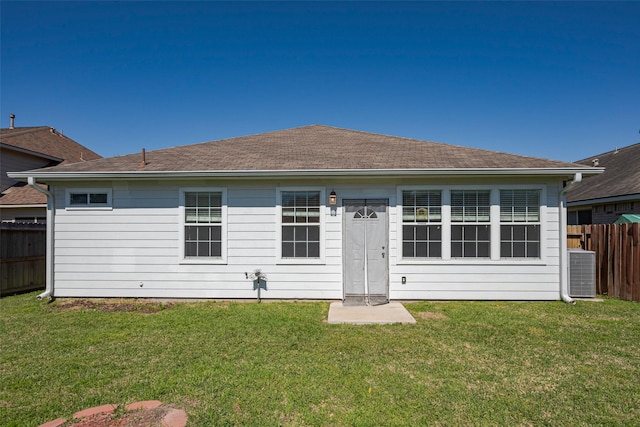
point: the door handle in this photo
(382, 254)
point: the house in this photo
(31, 148)
(604, 198)
(323, 212)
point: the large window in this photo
(520, 223)
(300, 224)
(470, 224)
(202, 224)
(421, 224)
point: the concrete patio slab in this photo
(394, 312)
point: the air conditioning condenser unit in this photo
(582, 273)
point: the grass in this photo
(270, 364)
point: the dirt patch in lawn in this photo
(430, 315)
(137, 418)
(110, 305)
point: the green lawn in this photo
(463, 363)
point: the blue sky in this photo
(546, 79)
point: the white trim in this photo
(324, 211)
(603, 200)
(223, 245)
(89, 206)
(494, 236)
(495, 258)
(388, 173)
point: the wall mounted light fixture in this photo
(333, 198)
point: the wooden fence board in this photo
(617, 248)
(22, 258)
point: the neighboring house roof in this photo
(621, 178)
(309, 149)
(22, 195)
(43, 142)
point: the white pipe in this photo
(48, 292)
(564, 288)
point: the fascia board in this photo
(604, 200)
(64, 176)
(43, 205)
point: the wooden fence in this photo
(617, 248)
(22, 257)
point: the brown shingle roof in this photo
(46, 140)
(309, 148)
(620, 178)
(40, 140)
(22, 194)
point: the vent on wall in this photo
(582, 273)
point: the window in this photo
(470, 224)
(579, 217)
(83, 198)
(520, 223)
(300, 224)
(203, 224)
(421, 224)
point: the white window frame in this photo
(477, 223)
(524, 222)
(89, 206)
(494, 223)
(223, 232)
(428, 223)
(278, 222)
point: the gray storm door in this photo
(365, 243)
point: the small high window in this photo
(89, 198)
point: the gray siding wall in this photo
(610, 212)
(12, 161)
(133, 249)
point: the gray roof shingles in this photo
(314, 147)
(620, 178)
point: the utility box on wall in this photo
(582, 273)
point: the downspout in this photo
(48, 292)
(564, 291)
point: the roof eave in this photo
(27, 205)
(30, 152)
(604, 200)
(73, 176)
